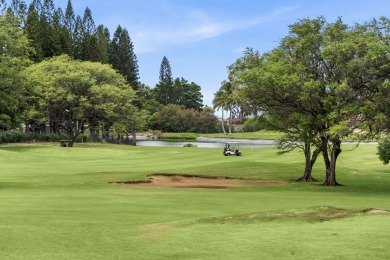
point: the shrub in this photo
(19, 137)
(12, 137)
(254, 124)
(190, 145)
(384, 151)
(174, 119)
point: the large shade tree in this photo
(278, 99)
(74, 94)
(321, 79)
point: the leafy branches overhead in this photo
(319, 85)
(76, 94)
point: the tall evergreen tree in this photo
(103, 42)
(33, 31)
(123, 58)
(77, 39)
(48, 10)
(62, 39)
(70, 24)
(164, 91)
(3, 6)
(19, 8)
(38, 6)
(90, 46)
(88, 22)
(47, 34)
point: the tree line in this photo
(324, 84)
(49, 84)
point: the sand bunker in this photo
(376, 211)
(199, 181)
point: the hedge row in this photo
(20, 137)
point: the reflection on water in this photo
(181, 143)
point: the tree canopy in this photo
(318, 86)
(176, 91)
(14, 57)
(73, 94)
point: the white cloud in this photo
(191, 26)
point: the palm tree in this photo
(225, 99)
(218, 103)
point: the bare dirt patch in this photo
(199, 181)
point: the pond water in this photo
(207, 143)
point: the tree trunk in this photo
(71, 141)
(230, 122)
(27, 130)
(72, 137)
(310, 161)
(105, 132)
(223, 124)
(118, 139)
(92, 134)
(134, 139)
(330, 162)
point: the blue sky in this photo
(201, 38)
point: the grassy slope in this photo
(56, 203)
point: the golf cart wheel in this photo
(239, 154)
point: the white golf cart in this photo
(232, 148)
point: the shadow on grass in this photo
(311, 215)
(20, 148)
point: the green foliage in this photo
(103, 42)
(254, 124)
(227, 99)
(172, 118)
(384, 151)
(78, 94)
(190, 145)
(12, 137)
(263, 134)
(20, 137)
(176, 92)
(173, 136)
(33, 31)
(123, 58)
(164, 92)
(188, 95)
(14, 57)
(320, 85)
(91, 51)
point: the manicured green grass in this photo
(179, 135)
(57, 203)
